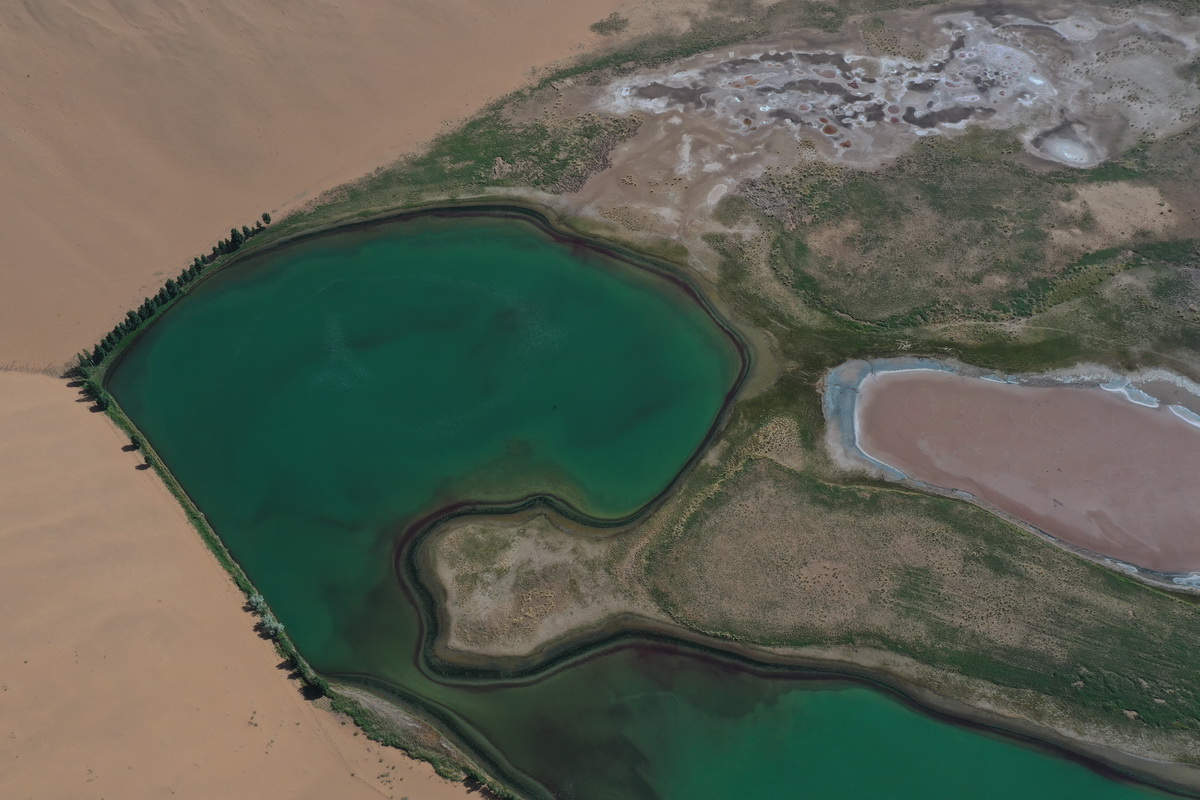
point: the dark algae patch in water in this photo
(320, 400)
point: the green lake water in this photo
(317, 400)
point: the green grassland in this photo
(764, 553)
(756, 551)
(959, 228)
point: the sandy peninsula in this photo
(128, 667)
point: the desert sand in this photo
(128, 667)
(136, 134)
(133, 135)
(1084, 465)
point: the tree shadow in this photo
(129, 448)
(475, 787)
(310, 692)
(307, 690)
(143, 466)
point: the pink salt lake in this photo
(1084, 465)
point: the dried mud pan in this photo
(1085, 457)
(1078, 84)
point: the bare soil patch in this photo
(1111, 213)
(513, 586)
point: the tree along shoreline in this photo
(87, 361)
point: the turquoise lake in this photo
(317, 400)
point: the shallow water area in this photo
(318, 400)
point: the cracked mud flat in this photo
(1101, 465)
(1077, 84)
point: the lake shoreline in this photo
(628, 633)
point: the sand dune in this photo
(128, 667)
(132, 134)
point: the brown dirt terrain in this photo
(1111, 213)
(513, 586)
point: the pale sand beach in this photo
(133, 136)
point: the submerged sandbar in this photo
(1111, 472)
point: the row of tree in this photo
(267, 624)
(170, 290)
